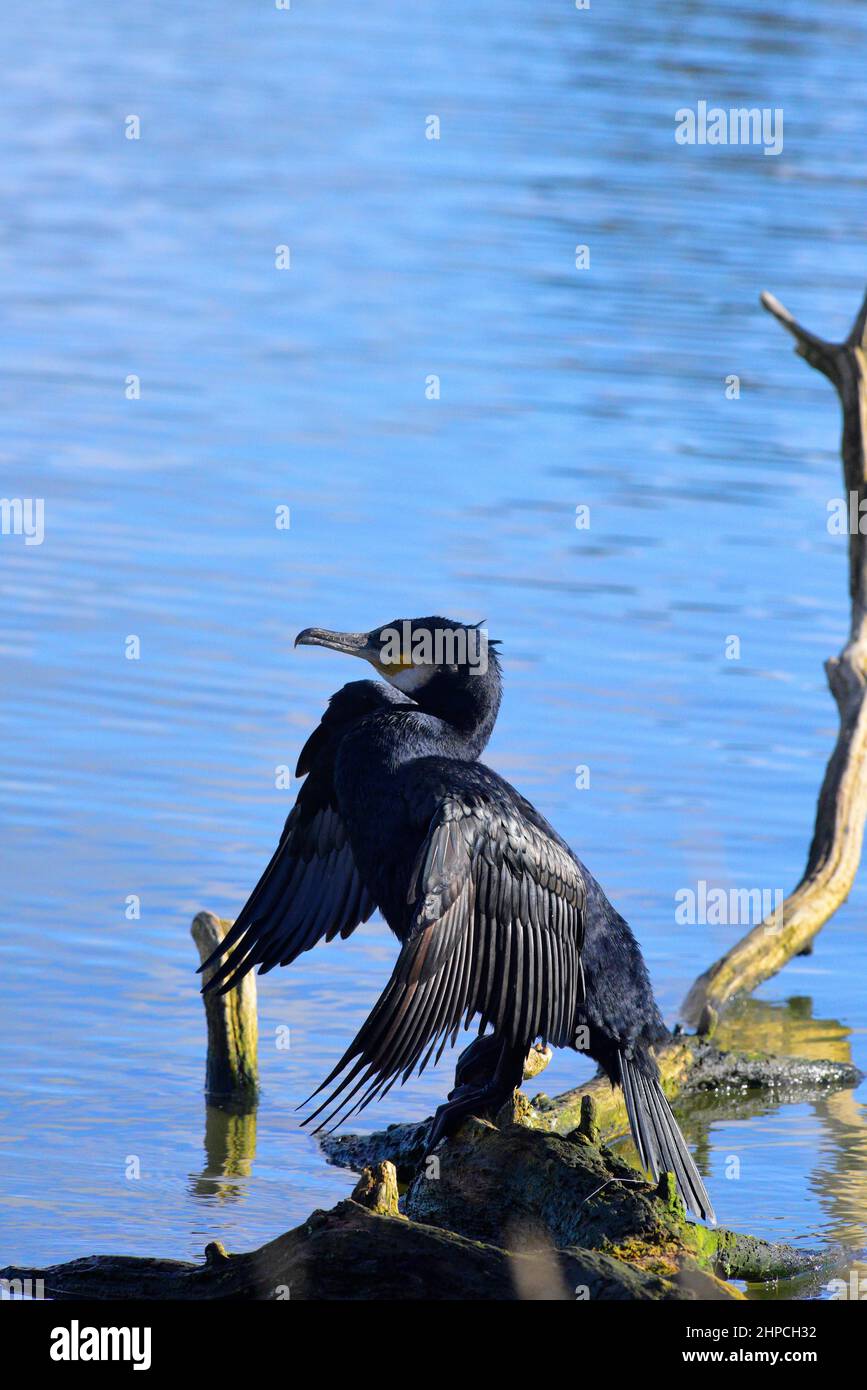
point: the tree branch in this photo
(835, 851)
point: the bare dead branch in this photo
(835, 852)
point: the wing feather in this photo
(497, 928)
(311, 889)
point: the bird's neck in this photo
(468, 711)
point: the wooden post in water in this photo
(233, 1025)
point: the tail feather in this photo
(660, 1144)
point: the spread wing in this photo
(312, 888)
(497, 931)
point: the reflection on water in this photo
(790, 1030)
(774, 1158)
(260, 388)
(810, 1150)
(230, 1146)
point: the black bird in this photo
(497, 918)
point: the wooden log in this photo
(512, 1186)
(543, 1218)
(352, 1254)
(232, 1072)
(835, 851)
(377, 1190)
(507, 1213)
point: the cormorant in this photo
(497, 918)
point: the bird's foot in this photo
(488, 1073)
(481, 1101)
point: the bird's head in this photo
(448, 668)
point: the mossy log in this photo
(350, 1253)
(504, 1212)
(512, 1185)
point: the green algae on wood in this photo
(518, 1187)
(232, 1071)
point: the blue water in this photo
(305, 387)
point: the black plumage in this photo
(499, 922)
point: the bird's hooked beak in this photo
(350, 643)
